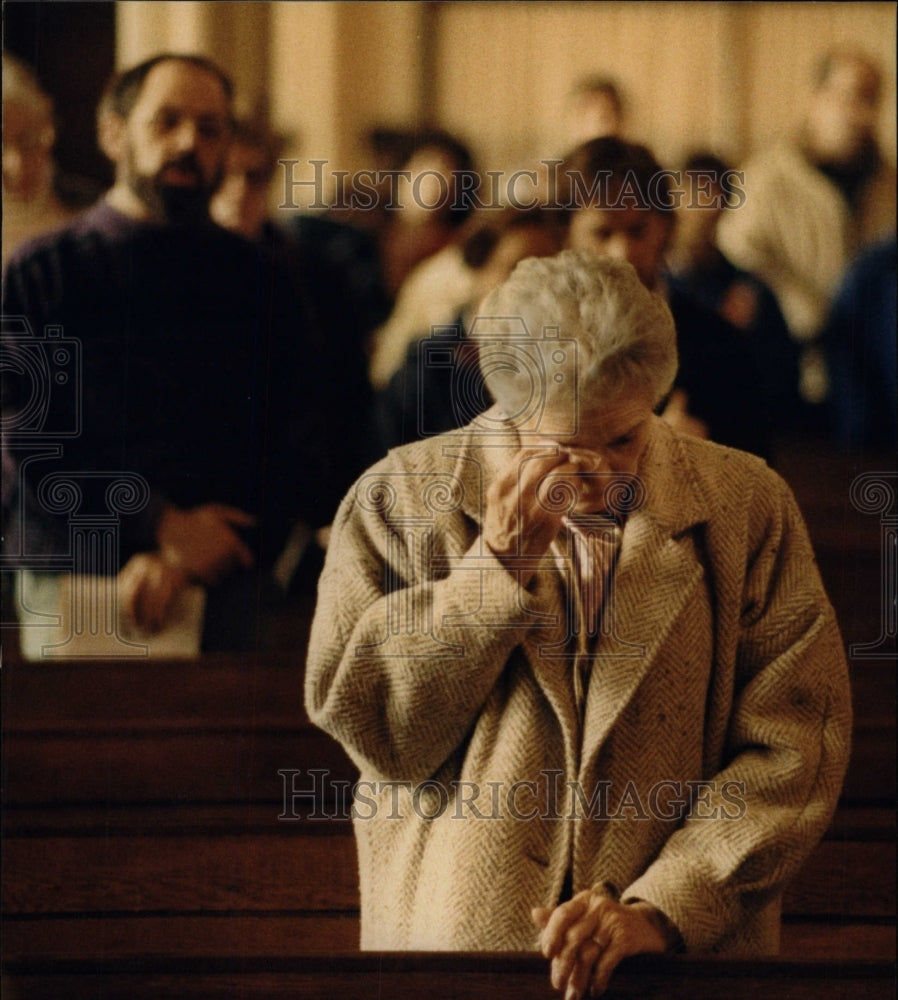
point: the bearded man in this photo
(189, 368)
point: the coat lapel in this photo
(480, 458)
(657, 573)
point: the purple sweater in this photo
(182, 355)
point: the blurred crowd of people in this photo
(250, 364)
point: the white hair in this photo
(575, 329)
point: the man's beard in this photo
(175, 203)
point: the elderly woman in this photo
(586, 666)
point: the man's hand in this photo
(148, 587)
(522, 517)
(202, 541)
(586, 937)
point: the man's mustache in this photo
(187, 163)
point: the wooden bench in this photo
(848, 540)
(109, 732)
(231, 878)
(159, 786)
(460, 976)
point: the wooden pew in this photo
(460, 976)
(178, 875)
(141, 826)
(847, 533)
(168, 816)
(113, 732)
(144, 856)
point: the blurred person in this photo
(378, 233)
(431, 281)
(439, 386)
(411, 211)
(194, 374)
(432, 294)
(430, 209)
(586, 665)
(434, 291)
(595, 109)
(860, 343)
(35, 197)
(698, 268)
(337, 332)
(241, 201)
(813, 201)
(620, 203)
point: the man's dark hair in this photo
(707, 163)
(597, 172)
(456, 151)
(446, 142)
(124, 89)
(717, 172)
(488, 227)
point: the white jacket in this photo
(441, 678)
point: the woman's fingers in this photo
(563, 917)
(579, 977)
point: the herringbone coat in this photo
(714, 738)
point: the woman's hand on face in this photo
(526, 503)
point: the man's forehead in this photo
(622, 217)
(178, 83)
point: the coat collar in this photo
(656, 574)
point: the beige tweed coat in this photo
(714, 736)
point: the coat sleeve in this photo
(787, 742)
(402, 658)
